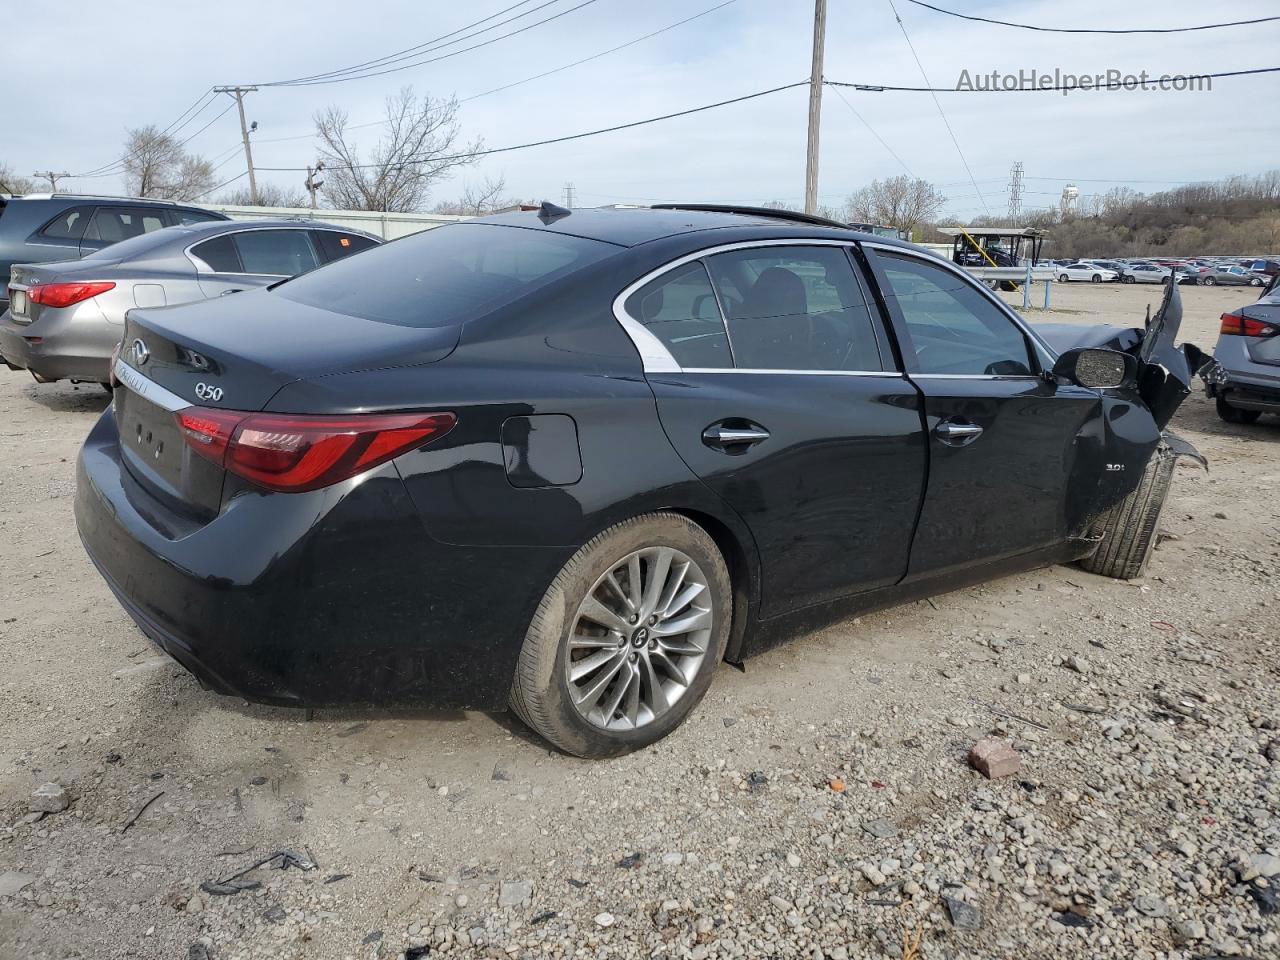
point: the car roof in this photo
(631, 226)
(210, 228)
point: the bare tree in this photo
(155, 165)
(901, 202)
(10, 182)
(269, 195)
(477, 201)
(420, 145)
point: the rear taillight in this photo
(291, 453)
(1240, 326)
(67, 294)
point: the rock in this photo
(1267, 899)
(512, 893)
(793, 859)
(501, 771)
(198, 951)
(372, 937)
(1150, 906)
(1078, 664)
(882, 828)
(1272, 751)
(275, 913)
(605, 919)
(1258, 865)
(964, 916)
(1189, 931)
(50, 798)
(461, 900)
(12, 882)
(195, 904)
(672, 859)
(994, 758)
(729, 721)
(1023, 678)
(1058, 869)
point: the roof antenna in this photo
(550, 213)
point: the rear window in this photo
(135, 246)
(446, 275)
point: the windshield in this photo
(445, 275)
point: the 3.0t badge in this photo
(207, 391)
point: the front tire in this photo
(1063, 278)
(626, 639)
(1129, 529)
(1209, 281)
(1255, 282)
(1096, 278)
(1234, 414)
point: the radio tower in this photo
(568, 196)
(1015, 194)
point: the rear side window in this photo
(113, 224)
(795, 308)
(220, 254)
(446, 275)
(335, 245)
(184, 217)
(68, 225)
(282, 253)
(679, 308)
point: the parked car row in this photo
(1206, 272)
(68, 294)
(1245, 382)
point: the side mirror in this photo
(1095, 368)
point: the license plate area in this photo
(157, 456)
(19, 304)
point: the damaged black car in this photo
(569, 462)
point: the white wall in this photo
(389, 226)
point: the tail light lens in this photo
(1240, 326)
(291, 453)
(67, 294)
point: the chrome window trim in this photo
(654, 355)
(148, 389)
(1008, 311)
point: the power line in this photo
(903, 163)
(564, 139)
(400, 54)
(172, 128)
(446, 56)
(1133, 82)
(597, 56)
(938, 103)
(242, 173)
(1028, 26)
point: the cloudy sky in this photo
(103, 68)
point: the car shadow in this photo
(68, 397)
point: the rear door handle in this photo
(953, 432)
(733, 439)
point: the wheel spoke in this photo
(658, 702)
(658, 570)
(591, 695)
(612, 581)
(695, 619)
(680, 647)
(633, 580)
(597, 612)
(628, 678)
(686, 597)
(660, 659)
(581, 669)
(633, 701)
(674, 583)
(582, 641)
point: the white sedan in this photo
(1086, 271)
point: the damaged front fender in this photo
(1167, 370)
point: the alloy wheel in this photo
(638, 639)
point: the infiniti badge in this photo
(140, 353)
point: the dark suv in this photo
(60, 226)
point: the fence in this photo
(388, 226)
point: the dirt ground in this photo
(461, 834)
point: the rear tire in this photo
(1096, 278)
(542, 693)
(1063, 278)
(1129, 528)
(1255, 282)
(1234, 414)
(1209, 281)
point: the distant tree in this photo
(420, 145)
(903, 202)
(10, 182)
(269, 195)
(155, 165)
(478, 200)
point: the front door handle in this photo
(959, 433)
(728, 439)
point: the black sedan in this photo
(570, 462)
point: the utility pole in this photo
(52, 177)
(1015, 194)
(312, 183)
(568, 196)
(815, 107)
(238, 93)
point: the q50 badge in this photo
(207, 391)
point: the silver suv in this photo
(1245, 382)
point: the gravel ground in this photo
(817, 805)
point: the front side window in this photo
(280, 253)
(954, 328)
(113, 224)
(795, 308)
(679, 308)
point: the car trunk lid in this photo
(233, 354)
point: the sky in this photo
(71, 112)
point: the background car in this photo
(35, 228)
(1266, 267)
(551, 460)
(1146, 273)
(1230, 276)
(66, 317)
(1187, 273)
(1086, 271)
(1245, 383)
